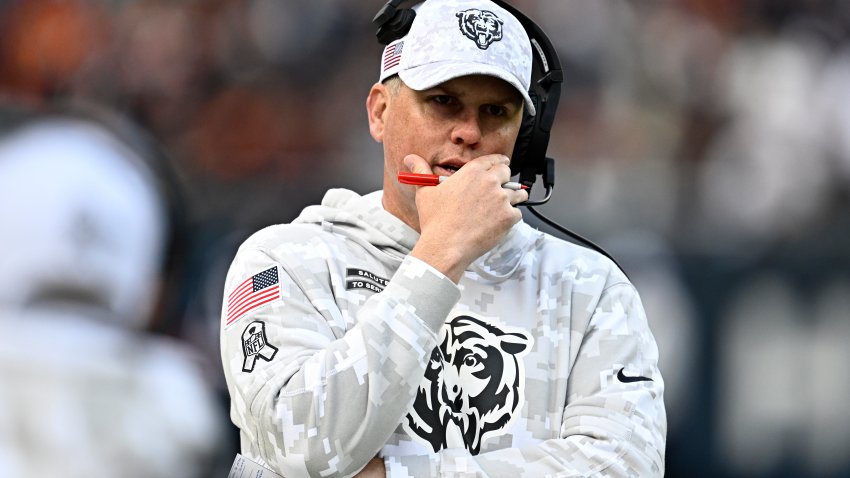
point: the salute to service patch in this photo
(360, 279)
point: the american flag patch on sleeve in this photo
(257, 290)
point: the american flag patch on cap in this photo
(257, 290)
(392, 55)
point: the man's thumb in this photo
(416, 164)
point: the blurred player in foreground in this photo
(85, 389)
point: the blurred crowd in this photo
(705, 143)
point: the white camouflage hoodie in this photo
(337, 346)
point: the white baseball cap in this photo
(454, 38)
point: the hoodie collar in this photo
(364, 218)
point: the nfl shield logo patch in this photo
(255, 345)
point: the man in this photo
(427, 331)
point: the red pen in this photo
(417, 179)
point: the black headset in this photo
(529, 158)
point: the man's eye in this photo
(442, 99)
(495, 110)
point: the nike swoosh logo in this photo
(626, 379)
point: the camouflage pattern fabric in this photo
(539, 363)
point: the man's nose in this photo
(467, 130)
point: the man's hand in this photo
(374, 469)
(466, 215)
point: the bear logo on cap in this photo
(481, 26)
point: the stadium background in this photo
(705, 143)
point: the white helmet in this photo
(81, 216)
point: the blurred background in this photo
(705, 143)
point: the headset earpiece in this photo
(392, 22)
(523, 140)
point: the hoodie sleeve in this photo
(310, 397)
(613, 427)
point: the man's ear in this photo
(376, 108)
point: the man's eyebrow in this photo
(514, 98)
(439, 89)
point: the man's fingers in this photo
(496, 165)
(503, 172)
(517, 197)
(501, 159)
(489, 161)
(416, 164)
